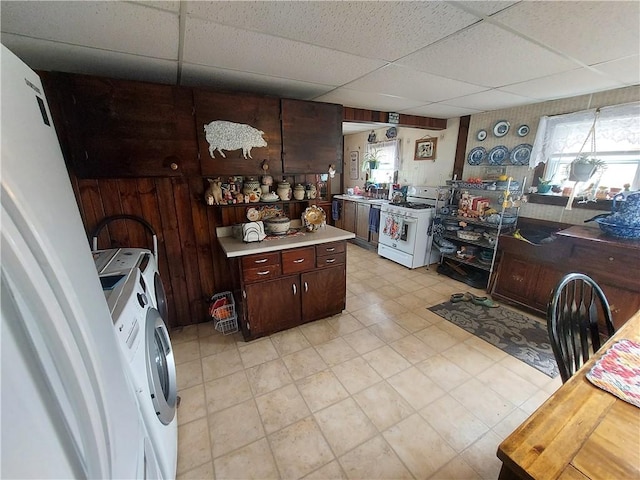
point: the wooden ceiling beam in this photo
(359, 115)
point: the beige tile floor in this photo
(385, 390)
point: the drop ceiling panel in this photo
(371, 101)
(170, 5)
(626, 70)
(570, 27)
(60, 57)
(485, 8)
(211, 44)
(566, 84)
(201, 76)
(490, 100)
(487, 55)
(115, 26)
(384, 30)
(405, 82)
(440, 110)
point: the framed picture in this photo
(354, 166)
(426, 149)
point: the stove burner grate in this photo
(413, 205)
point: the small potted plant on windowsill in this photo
(583, 167)
(544, 185)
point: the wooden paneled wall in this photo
(191, 263)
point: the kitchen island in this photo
(283, 282)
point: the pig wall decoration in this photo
(223, 135)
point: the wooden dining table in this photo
(580, 432)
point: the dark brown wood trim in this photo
(461, 146)
(360, 115)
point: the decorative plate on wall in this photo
(391, 132)
(498, 155)
(476, 156)
(520, 154)
(501, 128)
(523, 130)
(481, 135)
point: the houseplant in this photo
(583, 167)
(371, 160)
(544, 185)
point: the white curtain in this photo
(617, 129)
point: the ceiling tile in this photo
(60, 57)
(570, 27)
(484, 8)
(207, 43)
(201, 76)
(566, 84)
(116, 26)
(626, 70)
(491, 100)
(440, 110)
(171, 5)
(372, 101)
(487, 55)
(383, 30)
(405, 82)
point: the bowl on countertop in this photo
(276, 225)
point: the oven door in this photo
(398, 232)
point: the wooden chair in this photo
(573, 321)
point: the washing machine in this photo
(145, 344)
(109, 262)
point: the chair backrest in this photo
(573, 321)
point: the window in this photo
(388, 154)
(617, 142)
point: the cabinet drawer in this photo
(298, 260)
(329, 260)
(611, 263)
(260, 260)
(330, 248)
(258, 274)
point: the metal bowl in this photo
(618, 230)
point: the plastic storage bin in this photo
(223, 311)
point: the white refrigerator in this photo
(68, 410)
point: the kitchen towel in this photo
(374, 220)
(335, 210)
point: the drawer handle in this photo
(611, 259)
(295, 290)
(260, 261)
(332, 249)
(330, 260)
(300, 260)
(266, 272)
(306, 287)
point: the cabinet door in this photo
(250, 115)
(362, 221)
(323, 293)
(272, 306)
(517, 279)
(116, 128)
(311, 136)
(339, 223)
(349, 215)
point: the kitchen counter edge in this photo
(233, 247)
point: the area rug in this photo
(520, 336)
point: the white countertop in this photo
(360, 199)
(237, 248)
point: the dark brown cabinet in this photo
(311, 136)
(527, 273)
(115, 128)
(362, 221)
(251, 114)
(287, 288)
(349, 216)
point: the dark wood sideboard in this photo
(528, 273)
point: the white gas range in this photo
(405, 233)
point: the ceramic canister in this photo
(299, 192)
(251, 188)
(284, 190)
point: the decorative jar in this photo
(299, 192)
(251, 189)
(312, 191)
(284, 190)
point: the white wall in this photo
(411, 172)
